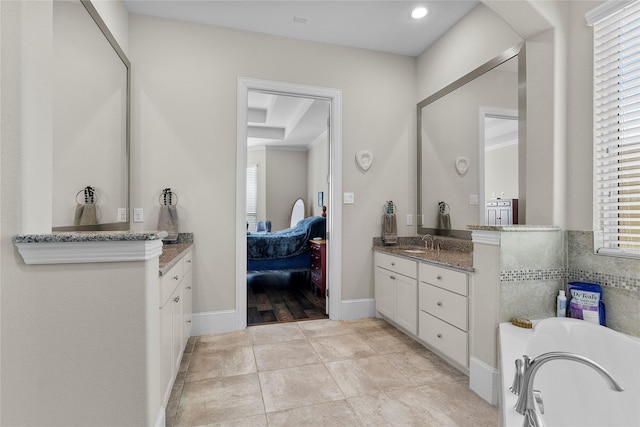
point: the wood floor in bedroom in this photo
(274, 297)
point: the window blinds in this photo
(617, 128)
(252, 197)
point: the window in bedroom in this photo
(616, 123)
(252, 197)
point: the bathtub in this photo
(573, 394)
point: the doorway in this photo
(332, 97)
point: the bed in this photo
(287, 249)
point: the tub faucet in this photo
(426, 243)
(527, 398)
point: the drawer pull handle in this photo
(188, 287)
(439, 335)
(189, 261)
(392, 277)
(439, 277)
(188, 321)
(439, 304)
(175, 277)
(177, 299)
(393, 263)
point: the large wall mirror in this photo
(91, 81)
(470, 137)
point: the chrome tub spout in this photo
(527, 398)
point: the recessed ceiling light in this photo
(419, 12)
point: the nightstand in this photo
(319, 266)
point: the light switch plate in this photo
(138, 215)
(122, 214)
(473, 199)
(409, 219)
(348, 198)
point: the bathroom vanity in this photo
(175, 311)
(109, 291)
(425, 293)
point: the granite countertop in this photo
(91, 236)
(516, 227)
(171, 254)
(457, 260)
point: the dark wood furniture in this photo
(319, 266)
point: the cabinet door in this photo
(166, 350)
(177, 328)
(385, 289)
(505, 215)
(187, 299)
(407, 303)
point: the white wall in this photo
(184, 136)
(286, 181)
(501, 166)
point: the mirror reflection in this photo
(90, 122)
(468, 151)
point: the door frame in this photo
(483, 113)
(334, 209)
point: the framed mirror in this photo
(452, 126)
(297, 212)
(91, 110)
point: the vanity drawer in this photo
(169, 282)
(448, 306)
(399, 265)
(453, 281)
(187, 262)
(445, 338)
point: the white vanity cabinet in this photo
(396, 290)
(444, 311)
(175, 320)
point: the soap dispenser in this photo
(561, 304)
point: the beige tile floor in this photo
(320, 373)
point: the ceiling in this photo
(384, 26)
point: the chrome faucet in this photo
(523, 383)
(426, 243)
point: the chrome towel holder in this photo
(168, 198)
(89, 196)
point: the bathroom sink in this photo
(415, 251)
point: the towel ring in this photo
(389, 207)
(443, 208)
(89, 195)
(168, 198)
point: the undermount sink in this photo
(415, 251)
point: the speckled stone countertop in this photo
(91, 236)
(455, 253)
(517, 227)
(171, 254)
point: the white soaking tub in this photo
(573, 394)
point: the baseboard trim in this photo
(358, 308)
(161, 421)
(213, 322)
(483, 380)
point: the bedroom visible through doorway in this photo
(287, 178)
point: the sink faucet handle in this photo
(516, 387)
(537, 394)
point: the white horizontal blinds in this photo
(617, 126)
(252, 197)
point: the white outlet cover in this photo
(364, 158)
